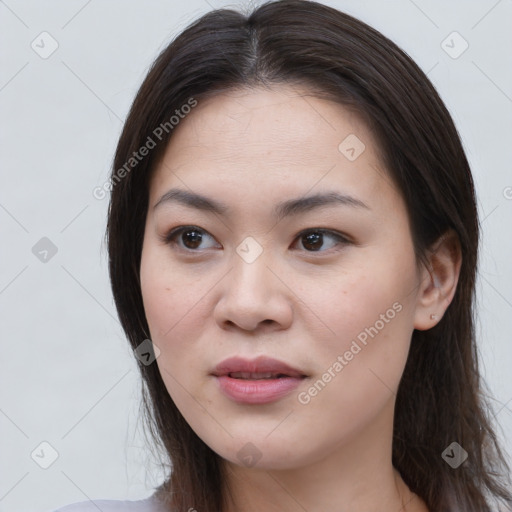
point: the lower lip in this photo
(257, 391)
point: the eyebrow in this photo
(281, 210)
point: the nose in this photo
(254, 296)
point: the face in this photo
(326, 286)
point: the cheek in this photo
(168, 305)
(348, 303)
(177, 312)
(168, 293)
(370, 317)
(359, 369)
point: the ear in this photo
(439, 281)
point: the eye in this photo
(190, 236)
(313, 239)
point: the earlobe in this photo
(439, 281)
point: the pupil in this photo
(313, 239)
(195, 238)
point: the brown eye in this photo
(187, 237)
(314, 240)
(191, 239)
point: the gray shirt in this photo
(146, 505)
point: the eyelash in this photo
(170, 238)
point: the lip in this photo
(256, 391)
(261, 364)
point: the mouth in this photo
(260, 368)
(258, 381)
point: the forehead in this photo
(260, 139)
(283, 121)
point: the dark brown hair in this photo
(441, 396)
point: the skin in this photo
(252, 149)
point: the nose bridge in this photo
(252, 294)
(250, 250)
(250, 273)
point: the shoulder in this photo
(146, 505)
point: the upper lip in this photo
(261, 364)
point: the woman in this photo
(293, 226)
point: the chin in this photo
(263, 454)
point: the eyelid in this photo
(334, 233)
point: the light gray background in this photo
(68, 376)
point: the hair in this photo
(441, 397)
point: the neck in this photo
(357, 475)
